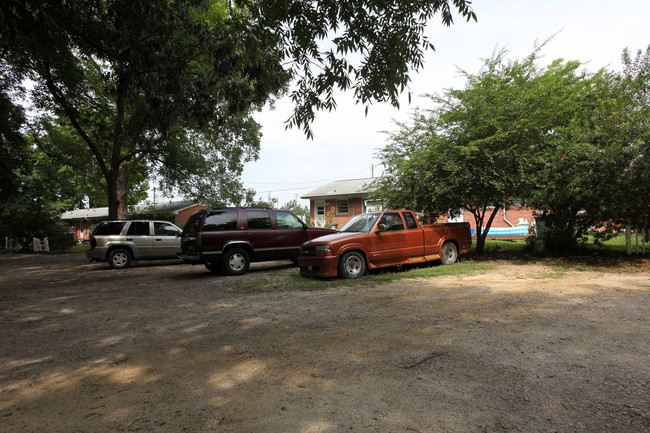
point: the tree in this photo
(166, 88)
(44, 190)
(598, 171)
(14, 151)
(477, 150)
(632, 134)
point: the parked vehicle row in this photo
(228, 240)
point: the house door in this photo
(319, 214)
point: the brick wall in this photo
(181, 218)
(355, 207)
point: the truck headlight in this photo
(322, 249)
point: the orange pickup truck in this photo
(380, 239)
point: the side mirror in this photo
(381, 228)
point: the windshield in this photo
(361, 223)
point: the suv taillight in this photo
(93, 242)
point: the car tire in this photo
(352, 265)
(119, 258)
(449, 253)
(213, 267)
(235, 261)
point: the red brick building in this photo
(337, 202)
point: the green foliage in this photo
(476, 150)
(14, 151)
(598, 172)
(573, 146)
(297, 209)
(165, 89)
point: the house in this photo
(337, 202)
(83, 221)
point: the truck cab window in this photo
(411, 223)
(392, 221)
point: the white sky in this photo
(346, 141)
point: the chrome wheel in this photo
(236, 261)
(119, 259)
(352, 265)
(449, 253)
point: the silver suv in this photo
(120, 242)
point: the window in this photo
(220, 220)
(258, 219)
(411, 223)
(361, 223)
(341, 207)
(165, 229)
(287, 220)
(138, 228)
(392, 221)
(109, 228)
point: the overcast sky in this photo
(346, 141)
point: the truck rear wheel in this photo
(235, 261)
(352, 265)
(449, 253)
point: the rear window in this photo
(138, 228)
(220, 220)
(411, 223)
(258, 219)
(109, 228)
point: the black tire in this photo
(449, 253)
(352, 265)
(235, 261)
(213, 267)
(119, 258)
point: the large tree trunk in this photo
(481, 235)
(123, 191)
(117, 190)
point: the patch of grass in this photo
(610, 257)
(290, 279)
(78, 249)
(498, 245)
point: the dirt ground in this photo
(171, 348)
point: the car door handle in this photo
(158, 240)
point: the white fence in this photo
(41, 245)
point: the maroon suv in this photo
(229, 239)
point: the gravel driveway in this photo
(167, 347)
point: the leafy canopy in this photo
(165, 89)
(476, 149)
